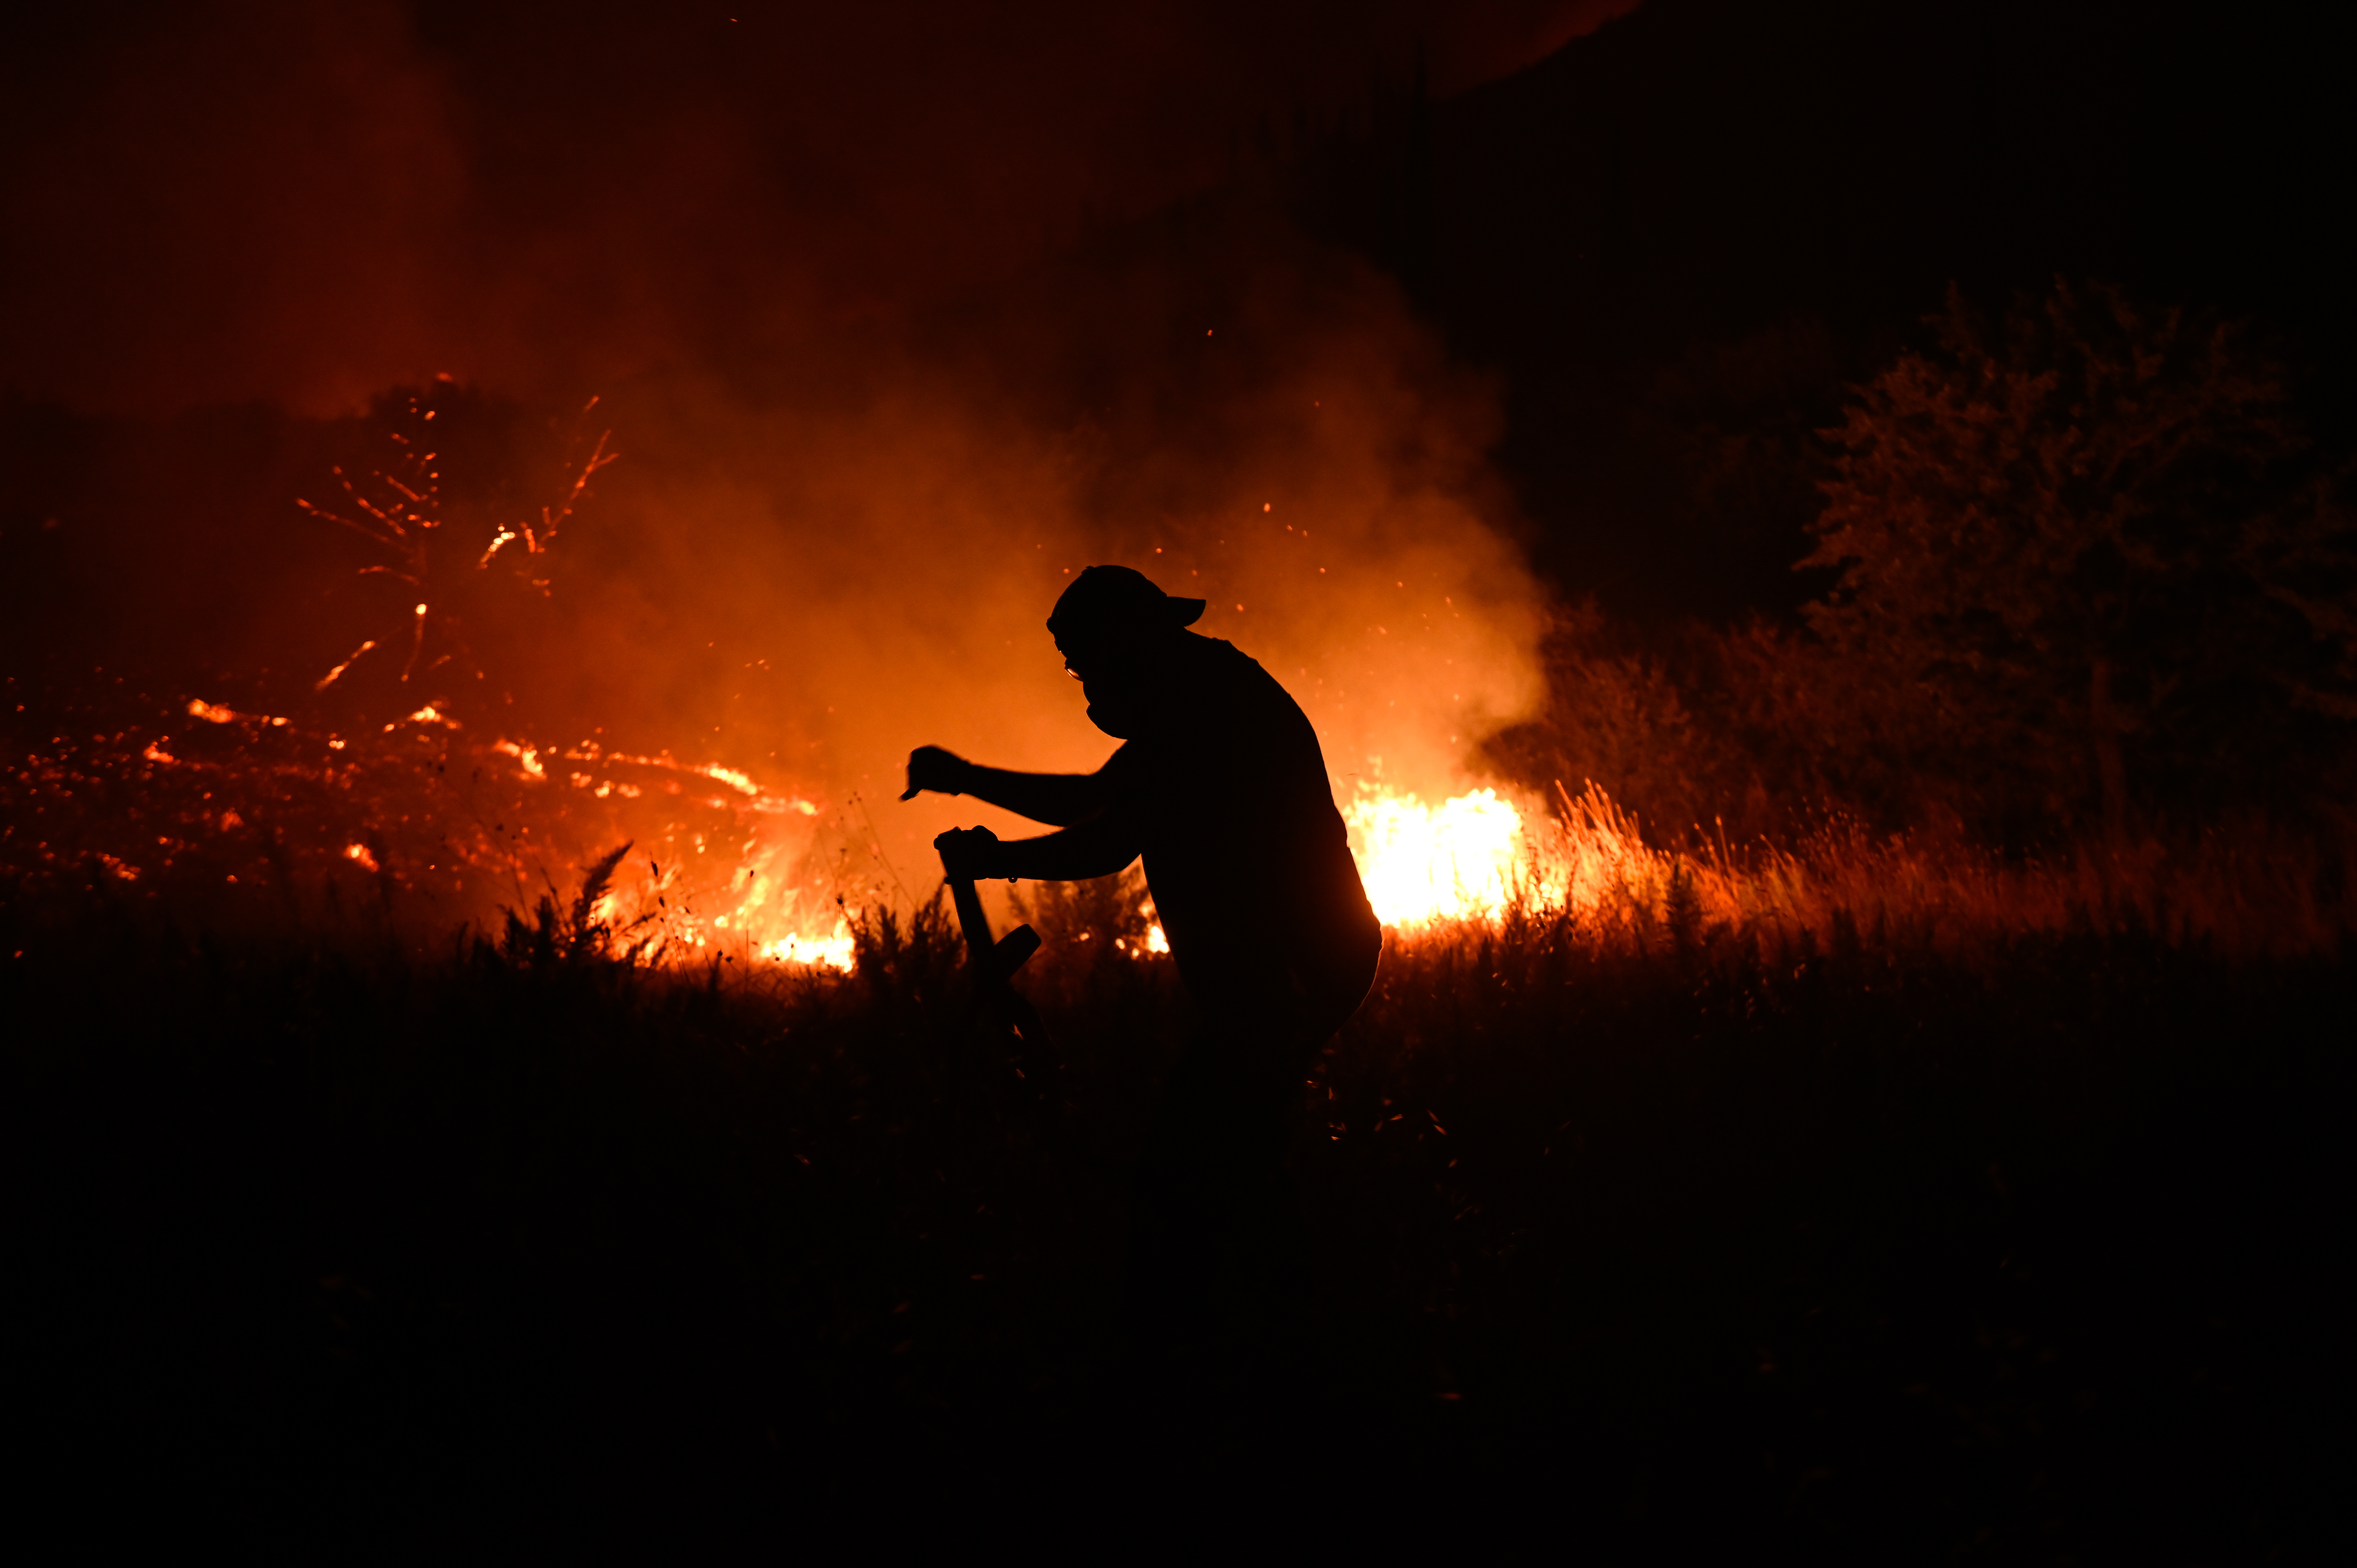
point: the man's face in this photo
(1115, 678)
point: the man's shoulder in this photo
(1239, 706)
(1229, 670)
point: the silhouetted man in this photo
(1220, 786)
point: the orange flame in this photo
(1450, 862)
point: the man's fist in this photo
(931, 767)
(969, 855)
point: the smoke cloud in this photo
(810, 583)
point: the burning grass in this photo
(239, 819)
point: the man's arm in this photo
(1059, 800)
(1098, 847)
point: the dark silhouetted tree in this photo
(2062, 546)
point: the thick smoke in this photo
(807, 584)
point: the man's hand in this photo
(931, 767)
(970, 854)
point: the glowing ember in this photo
(528, 756)
(217, 713)
(332, 676)
(1154, 941)
(741, 782)
(1420, 862)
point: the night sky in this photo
(307, 204)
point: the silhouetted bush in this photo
(2091, 584)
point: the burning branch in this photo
(332, 676)
(399, 509)
(553, 518)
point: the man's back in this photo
(1247, 858)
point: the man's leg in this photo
(1209, 1196)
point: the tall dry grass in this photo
(2246, 891)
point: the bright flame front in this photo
(1420, 862)
(832, 952)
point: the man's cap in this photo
(1113, 601)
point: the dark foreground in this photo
(1607, 1255)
